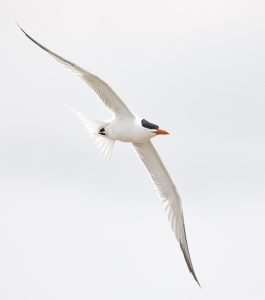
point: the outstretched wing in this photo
(106, 94)
(168, 193)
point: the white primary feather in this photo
(104, 91)
(168, 193)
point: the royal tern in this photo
(127, 127)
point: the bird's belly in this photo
(130, 137)
(127, 134)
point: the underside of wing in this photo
(103, 90)
(169, 195)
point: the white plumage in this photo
(126, 127)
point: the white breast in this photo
(128, 130)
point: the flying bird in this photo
(125, 126)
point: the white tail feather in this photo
(104, 144)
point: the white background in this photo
(75, 227)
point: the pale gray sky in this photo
(75, 227)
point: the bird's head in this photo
(153, 127)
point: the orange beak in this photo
(160, 131)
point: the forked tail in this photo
(104, 144)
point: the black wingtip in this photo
(194, 276)
(189, 263)
(23, 31)
(20, 27)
